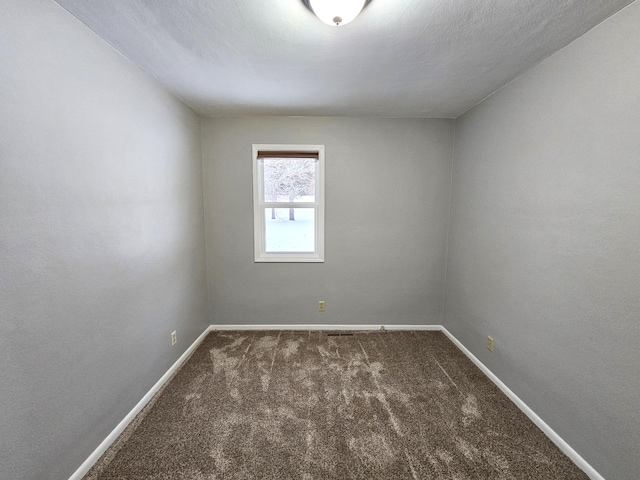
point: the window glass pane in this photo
(289, 179)
(289, 229)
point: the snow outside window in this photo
(288, 203)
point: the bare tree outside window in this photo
(288, 179)
(288, 203)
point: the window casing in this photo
(288, 203)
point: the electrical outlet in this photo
(174, 338)
(321, 306)
(490, 343)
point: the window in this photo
(288, 203)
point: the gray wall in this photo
(544, 250)
(101, 238)
(387, 196)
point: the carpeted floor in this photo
(316, 406)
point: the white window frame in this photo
(259, 205)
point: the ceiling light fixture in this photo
(336, 12)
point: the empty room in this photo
(313, 239)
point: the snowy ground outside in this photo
(284, 235)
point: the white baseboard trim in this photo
(107, 442)
(548, 431)
(325, 327)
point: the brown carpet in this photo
(314, 406)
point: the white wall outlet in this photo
(321, 305)
(490, 344)
(174, 338)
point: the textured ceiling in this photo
(407, 58)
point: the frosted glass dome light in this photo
(336, 12)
